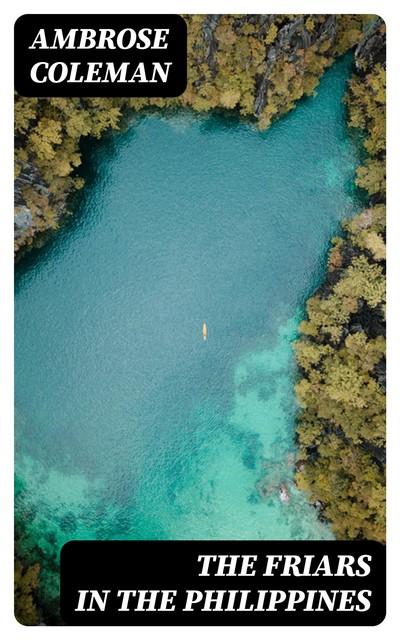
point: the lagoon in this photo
(128, 424)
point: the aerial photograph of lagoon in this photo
(200, 300)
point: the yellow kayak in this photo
(204, 331)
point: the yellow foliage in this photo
(230, 98)
(25, 582)
(310, 23)
(341, 428)
(271, 34)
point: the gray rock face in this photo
(24, 222)
(208, 28)
(290, 38)
(24, 227)
(28, 176)
(372, 48)
(264, 21)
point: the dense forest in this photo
(341, 352)
(258, 66)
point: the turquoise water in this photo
(128, 424)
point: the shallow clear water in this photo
(128, 424)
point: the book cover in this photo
(200, 319)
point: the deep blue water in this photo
(128, 424)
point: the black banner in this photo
(100, 55)
(223, 583)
